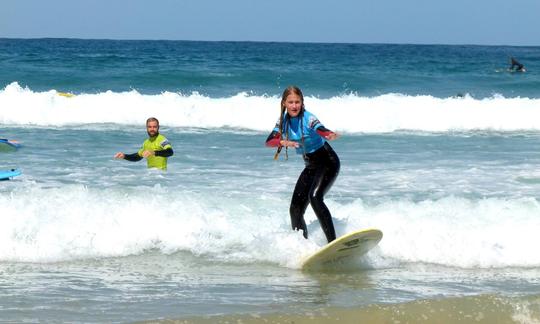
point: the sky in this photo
(481, 22)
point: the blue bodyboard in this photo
(8, 174)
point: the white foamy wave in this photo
(456, 232)
(75, 222)
(349, 113)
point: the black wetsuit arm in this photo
(132, 157)
(164, 153)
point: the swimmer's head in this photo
(152, 126)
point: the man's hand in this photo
(146, 154)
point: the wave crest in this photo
(348, 113)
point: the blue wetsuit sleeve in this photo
(312, 121)
(276, 127)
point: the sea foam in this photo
(351, 113)
(76, 222)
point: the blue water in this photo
(439, 149)
(220, 69)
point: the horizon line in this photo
(260, 41)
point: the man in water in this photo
(156, 148)
(514, 63)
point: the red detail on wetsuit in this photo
(274, 140)
(324, 133)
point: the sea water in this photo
(439, 147)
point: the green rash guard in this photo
(156, 143)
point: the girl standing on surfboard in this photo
(300, 129)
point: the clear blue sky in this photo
(491, 22)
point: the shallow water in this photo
(91, 239)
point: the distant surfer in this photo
(515, 66)
(156, 148)
(300, 129)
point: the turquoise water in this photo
(453, 182)
(222, 69)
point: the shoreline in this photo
(470, 309)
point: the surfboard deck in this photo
(8, 174)
(350, 245)
(8, 146)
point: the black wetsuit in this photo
(322, 168)
(515, 63)
(135, 157)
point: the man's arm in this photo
(132, 157)
(164, 153)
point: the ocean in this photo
(439, 149)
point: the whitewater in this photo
(347, 113)
(442, 158)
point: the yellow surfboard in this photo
(350, 245)
(66, 94)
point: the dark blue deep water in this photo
(220, 69)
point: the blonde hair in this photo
(288, 91)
